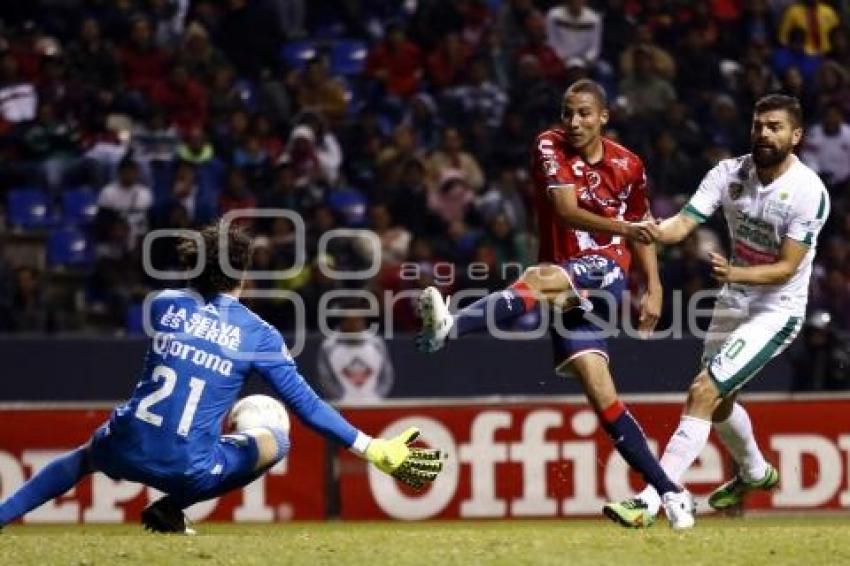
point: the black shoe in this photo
(164, 517)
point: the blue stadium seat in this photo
(29, 208)
(296, 53)
(348, 57)
(68, 247)
(79, 206)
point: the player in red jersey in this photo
(591, 195)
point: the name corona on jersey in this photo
(166, 345)
(215, 331)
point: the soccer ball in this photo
(255, 411)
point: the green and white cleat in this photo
(732, 493)
(632, 513)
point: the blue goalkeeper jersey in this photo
(199, 356)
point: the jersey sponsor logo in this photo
(752, 256)
(621, 162)
(210, 329)
(165, 345)
(755, 231)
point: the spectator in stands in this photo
(423, 117)
(394, 156)
(698, 68)
(618, 27)
(18, 97)
(129, 198)
(225, 96)
(248, 36)
(200, 57)
(447, 64)
(821, 358)
(793, 54)
(647, 94)
(816, 18)
(574, 30)
(53, 146)
(327, 148)
(758, 24)
(508, 245)
(285, 192)
(197, 207)
(550, 64)
(167, 19)
(504, 198)
(182, 98)
(724, 127)
(92, 65)
(236, 195)
(301, 153)
(833, 296)
(671, 171)
(409, 200)
(394, 238)
(143, 64)
(827, 148)
(662, 61)
(832, 87)
(195, 148)
(686, 271)
(318, 91)
(839, 41)
(512, 22)
(452, 161)
(29, 305)
(480, 96)
(397, 63)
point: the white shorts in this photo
(740, 343)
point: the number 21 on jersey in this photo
(168, 377)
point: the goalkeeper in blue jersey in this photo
(168, 435)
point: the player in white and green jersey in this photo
(775, 207)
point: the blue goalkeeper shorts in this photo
(232, 465)
(576, 333)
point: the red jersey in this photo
(615, 187)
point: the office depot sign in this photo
(554, 460)
(540, 458)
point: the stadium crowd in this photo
(411, 119)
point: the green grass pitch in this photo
(810, 540)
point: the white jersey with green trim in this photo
(794, 205)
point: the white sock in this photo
(684, 446)
(681, 451)
(736, 432)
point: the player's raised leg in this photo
(545, 281)
(53, 480)
(240, 459)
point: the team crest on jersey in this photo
(735, 190)
(593, 179)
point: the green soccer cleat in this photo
(732, 493)
(632, 513)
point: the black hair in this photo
(213, 279)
